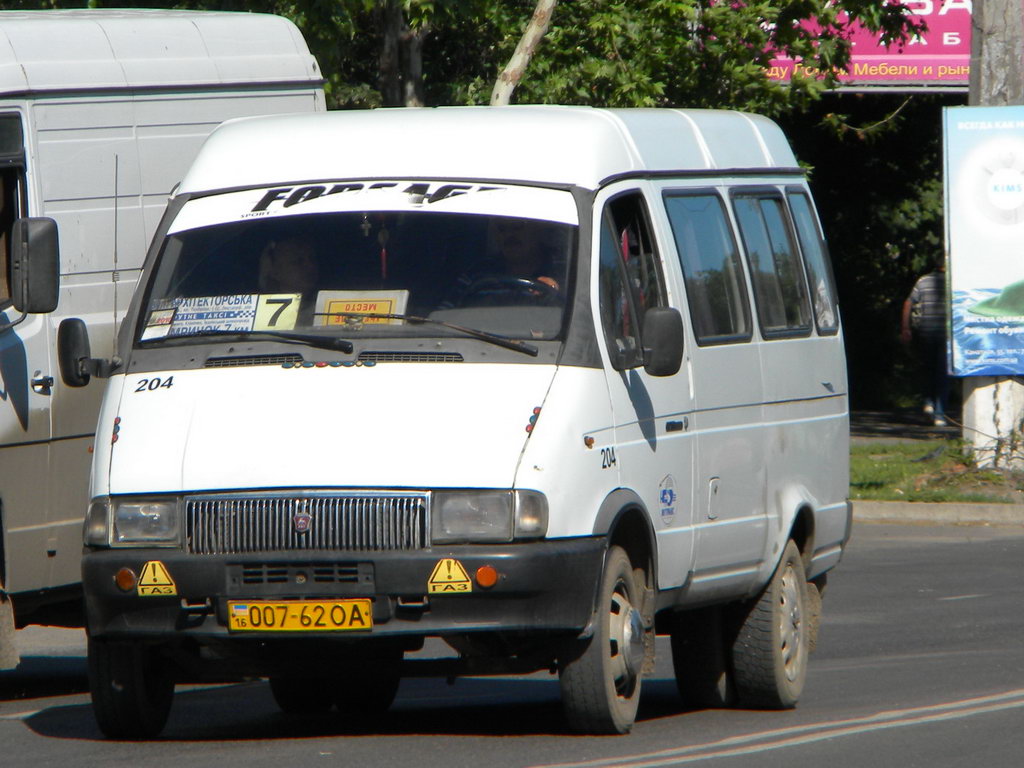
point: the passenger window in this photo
(819, 273)
(715, 287)
(780, 289)
(629, 277)
(12, 194)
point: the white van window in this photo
(819, 275)
(715, 286)
(12, 193)
(780, 289)
(379, 273)
(629, 277)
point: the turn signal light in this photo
(486, 576)
(126, 579)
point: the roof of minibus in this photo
(556, 145)
(102, 50)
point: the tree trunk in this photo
(391, 21)
(513, 72)
(413, 81)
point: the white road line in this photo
(20, 715)
(959, 597)
(806, 734)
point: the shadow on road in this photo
(39, 676)
(472, 707)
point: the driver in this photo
(519, 262)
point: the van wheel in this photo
(302, 695)
(132, 688)
(362, 691)
(601, 687)
(770, 652)
(700, 659)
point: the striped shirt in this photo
(928, 305)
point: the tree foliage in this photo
(874, 160)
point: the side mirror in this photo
(663, 341)
(35, 265)
(73, 352)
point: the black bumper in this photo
(543, 587)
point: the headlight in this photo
(132, 522)
(485, 516)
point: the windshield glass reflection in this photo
(348, 272)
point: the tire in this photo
(132, 688)
(601, 686)
(700, 659)
(302, 695)
(769, 655)
(369, 690)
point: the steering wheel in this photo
(536, 291)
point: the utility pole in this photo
(993, 406)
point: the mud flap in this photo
(9, 657)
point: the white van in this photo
(539, 381)
(101, 113)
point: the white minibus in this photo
(541, 382)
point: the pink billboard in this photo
(939, 56)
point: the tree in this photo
(513, 73)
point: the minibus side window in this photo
(12, 194)
(819, 275)
(629, 277)
(780, 288)
(715, 287)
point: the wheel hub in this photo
(627, 643)
(791, 629)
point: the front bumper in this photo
(543, 587)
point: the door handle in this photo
(42, 385)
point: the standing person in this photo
(924, 323)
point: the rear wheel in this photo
(368, 690)
(132, 688)
(700, 659)
(769, 655)
(601, 687)
(302, 695)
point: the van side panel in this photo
(109, 128)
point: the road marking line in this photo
(806, 734)
(20, 715)
(959, 597)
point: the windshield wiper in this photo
(307, 339)
(476, 333)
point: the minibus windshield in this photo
(362, 273)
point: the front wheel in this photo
(769, 654)
(132, 688)
(601, 687)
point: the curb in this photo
(938, 514)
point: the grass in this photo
(937, 470)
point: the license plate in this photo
(299, 615)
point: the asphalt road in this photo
(920, 663)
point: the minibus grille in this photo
(237, 524)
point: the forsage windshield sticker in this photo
(222, 314)
(355, 196)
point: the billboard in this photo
(939, 57)
(984, 207)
